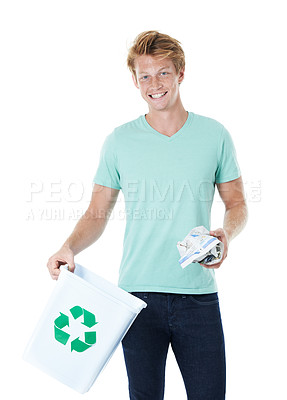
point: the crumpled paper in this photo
(199, 246)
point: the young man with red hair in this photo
(167, 163)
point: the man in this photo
(167, 164)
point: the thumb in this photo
(71, 265)
(216, 232)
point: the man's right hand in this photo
(62, 257)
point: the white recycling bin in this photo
(83, 323)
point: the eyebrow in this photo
(143, 72)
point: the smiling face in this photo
(158, 82)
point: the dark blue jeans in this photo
(192, 325)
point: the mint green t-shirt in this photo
(168, 185)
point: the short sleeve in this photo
(227, 167)
(107, 173)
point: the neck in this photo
(167, 122)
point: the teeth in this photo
(157, 96)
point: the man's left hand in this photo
(222, 236)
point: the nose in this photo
(155, 83)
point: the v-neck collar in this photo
(175, 135)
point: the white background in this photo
(64, 87)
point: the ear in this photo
(181, 75)
(135, 81)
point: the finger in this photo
(213, 266)
(53, 266)
(217, 265)
(55, 273)
(53, 270)
(52, 263)
(55, 263)
(206, 266)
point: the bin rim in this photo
(122, 296)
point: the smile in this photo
(157, 95)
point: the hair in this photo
(158, 45)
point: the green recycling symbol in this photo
(89, 320)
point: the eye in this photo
(144, 78)
(164, 73)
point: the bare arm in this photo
(88, 229)
(235, 217)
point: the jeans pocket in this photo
(206, 299)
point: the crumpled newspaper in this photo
(199, 246)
